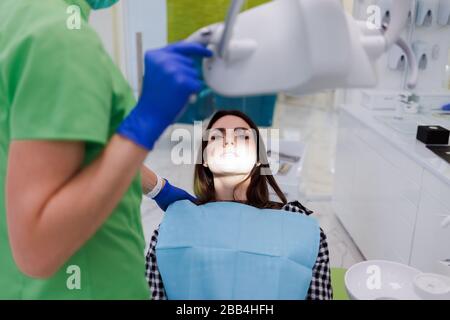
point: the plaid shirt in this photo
(319, 289)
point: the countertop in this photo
(404, 139)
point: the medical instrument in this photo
(309, 45)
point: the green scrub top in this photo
(58, 83)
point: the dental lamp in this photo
(299, 47)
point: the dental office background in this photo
(378, 192)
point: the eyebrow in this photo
(223, 130)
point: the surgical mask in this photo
(101, 4)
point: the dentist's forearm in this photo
(73, 215)
(149, 179)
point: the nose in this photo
(229, 139)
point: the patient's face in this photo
(231, 147)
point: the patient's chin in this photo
(231, 170)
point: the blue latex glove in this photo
(170, 194)
(170, 79)
(446, 107)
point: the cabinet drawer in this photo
(431, 241)
(373, 207)
(407, 167)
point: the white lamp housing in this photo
(297, 46)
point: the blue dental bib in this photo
(229, 251)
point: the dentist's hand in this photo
(170, 79)
(170, 194)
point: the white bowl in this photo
(381, 280)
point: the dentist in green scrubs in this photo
(72, 143)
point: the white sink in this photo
(381, 280)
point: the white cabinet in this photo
(432, 240)
(375, 198)
(393, 205)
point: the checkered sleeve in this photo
(320, 287)
(152, 272)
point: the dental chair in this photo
(338, 284)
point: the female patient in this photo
(232, 158)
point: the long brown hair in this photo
(257, 191)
